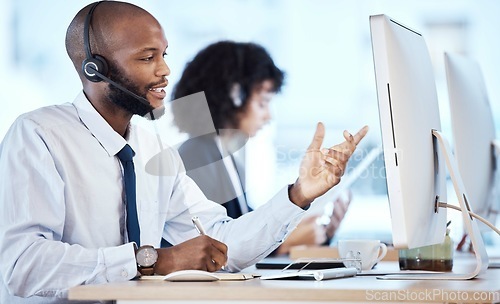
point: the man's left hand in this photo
(321, 169)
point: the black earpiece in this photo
(95, 67)
(92, 63)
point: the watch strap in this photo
(146, 270)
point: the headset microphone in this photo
(118, 86)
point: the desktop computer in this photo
(416, 154)
(475, 145)
(473, 127)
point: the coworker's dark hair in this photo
(215, 70)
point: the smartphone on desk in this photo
(310, 264)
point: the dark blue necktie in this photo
(125, 155)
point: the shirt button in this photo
(124, 273)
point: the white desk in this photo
(483, 289)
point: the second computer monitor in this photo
(473, 132)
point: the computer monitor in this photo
(415, 151)
(473, 133)
(409, 112)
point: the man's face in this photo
(138, 64)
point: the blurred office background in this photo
(324, 46)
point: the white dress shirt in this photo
(62, 203)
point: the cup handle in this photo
(383, 253)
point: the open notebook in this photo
(200, 276)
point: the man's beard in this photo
(122, 99)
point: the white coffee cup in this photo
(370, 251)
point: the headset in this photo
(93, 63)
(95, 67)
(238, 92)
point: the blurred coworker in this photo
(239, 80)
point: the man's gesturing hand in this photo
(321, 169)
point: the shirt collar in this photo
(109, 139)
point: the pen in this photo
(201, 230)
(197, 225)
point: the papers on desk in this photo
(318, 275)
(199, 276)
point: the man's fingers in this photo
(347, 147)
(219, 246)
(319, 135)
(338, 155)
(218, 254)
(351, 141)
(211, 265)
(348, 136)
(214, 253)
(219, 258)
(359, 136)
(335, 167)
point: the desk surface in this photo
(483, 289)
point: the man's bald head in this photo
(109, 24)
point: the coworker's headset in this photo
(241, 94)
(95, 66)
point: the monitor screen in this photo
(473, 133)
(408, 110)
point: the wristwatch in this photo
(146, 257)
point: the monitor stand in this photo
(495, 209)
(470, 224)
